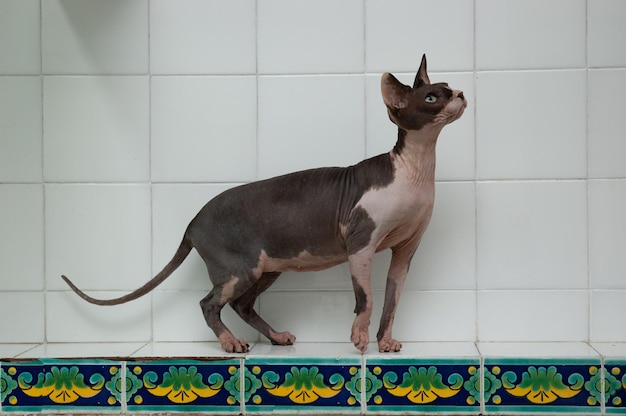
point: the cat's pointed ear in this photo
(394, 92)
(422, 76)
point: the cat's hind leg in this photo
(244, 306)
(212, 306)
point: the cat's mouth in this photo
(454, 110)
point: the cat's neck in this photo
(414, 154)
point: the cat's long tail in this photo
(181, 254)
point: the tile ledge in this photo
(207, 350)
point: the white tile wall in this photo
(531, 124)
(20, 118)
(203, 37)
(20, 37)
(21, 221)
(98, 235)
(299, 36)
(607, 234)
(532, 235)
(94, 37)
(530, 34)
(96, 129)
(310, 121)
(411, 28)
(188, 113)
(607, 125)
(120, 119)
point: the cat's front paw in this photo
(389, 345)
(360, 338)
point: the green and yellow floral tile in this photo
(60, 385)
(615, 385)
(542, 385)
(184, 386)
(302, 385)
(414, 385)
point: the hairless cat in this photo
(318, 218)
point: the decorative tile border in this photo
(349, 385)
(615, 386)
(303, 385)
(184, 386)
(409, 385)
(543, 385)
(59, 386)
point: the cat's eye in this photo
(431, 98)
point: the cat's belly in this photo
(303, 262)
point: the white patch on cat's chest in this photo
(400, 211)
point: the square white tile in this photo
(95, 37)
(537, 349)
(183, 349)
(96, 129)
(446, 258)
(309, 315)
(203, 129)
(177, 317)
(310, 121)
(533, 316)
(607, 125)
(98, 236)
(22, 317)
(605, 26)
(532, 235)
(607, 234)
(196, 37)
(14, 350)
(398, 32)
(606, 316)
(610, 349)
(299, 349)
(456, 144)
(521, 34)
(20, 118)
(20, 36)
(83, 350)
(70, 319)
(296, 36)
(431, 316)
(521, 133)
(22, 237)
(427, 350)
(173, 207)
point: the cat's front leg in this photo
(398, 270)
(360, 269)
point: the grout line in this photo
(587, 183)
(242, 385)
(124, 377)
(363, 384)
(150, 172)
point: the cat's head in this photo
(424, 104)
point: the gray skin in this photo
(318, 218)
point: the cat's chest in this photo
(400, 209)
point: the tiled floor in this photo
(323, 378)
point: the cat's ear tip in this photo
(388, 77)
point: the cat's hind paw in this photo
(389, 345)
(283, 338)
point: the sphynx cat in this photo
(318, 218)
